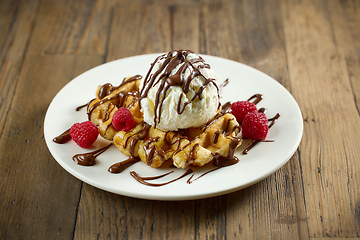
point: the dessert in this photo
(173, 114)
(179, 99)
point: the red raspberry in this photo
(240, 108)
(123, 120)
(84, 134)
(255, 126)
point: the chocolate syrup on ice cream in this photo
(171, 61)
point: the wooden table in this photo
(311, 47)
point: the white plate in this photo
(244, 81)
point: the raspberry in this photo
(84, 134)
(255, 126)
(123, 120)
(240, 108)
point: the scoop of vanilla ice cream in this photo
(179, 92)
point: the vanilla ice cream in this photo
(179, 91)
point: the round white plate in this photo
(244, 81)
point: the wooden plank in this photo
(271, 209)
(217, 29)
(34, 189)
(105, 215)
(345, 22)
(185, 25)
(68, 27)
(133, 30)
(327, 155)
(16, 21)
(334, 238)
(347, 34)
(211, 218)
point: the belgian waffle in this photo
(188, 147)
(108, 99)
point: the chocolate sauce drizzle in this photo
(116, 100)
(120, 166)
(63, 138)
(108, 88)
(224, 83)
(142, 134)
(189, 181)
(88, 159)
(162, 77)
(142, 179)
(230, 159)
(80, 107)
(258, 97)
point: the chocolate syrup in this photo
(189, 181)
(63, 138)
(120, 166)
(80, 107)
(258, 97)
(220, 161)
(157, 177)
(150, 151)
(224, 83)
(88, 159)
(141, 135)
(216, 137)
(224, 109)
(105, 90)
(230, 159)
(108, 88)
(273, 120)
(142, 180)
(162, 77)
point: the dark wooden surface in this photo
(311, 47)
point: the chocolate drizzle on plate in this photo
(257, 98)
(63, 138)
(88, 159)
(120, 166)
(142, 179)
(80, 107)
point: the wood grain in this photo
(125, 41)
(32, 192)
(16, 23)
(71, 27)
(326, 153)
(311, 47)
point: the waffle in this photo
(190, 147)
(108, 99)
(193, 147)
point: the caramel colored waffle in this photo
(190, 147)
(193, 147)
(109, 99)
